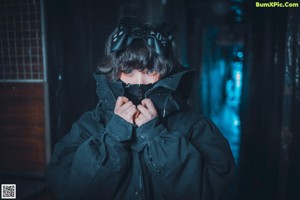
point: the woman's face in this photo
(135, 76)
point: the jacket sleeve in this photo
(193, 164)
(89, 149)
(219, 171)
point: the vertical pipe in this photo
(46, 86)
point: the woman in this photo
(142, 141)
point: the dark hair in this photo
(139, 56)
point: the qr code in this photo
(8, 191)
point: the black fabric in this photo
(178, 155)
(156, 37)
(136, 92)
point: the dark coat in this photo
(179, 155)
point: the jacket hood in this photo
(168, 95)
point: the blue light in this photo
(237, 66)
(236, 122)
(238, 77)
(240, 54)
(238, 11)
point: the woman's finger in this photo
(149, 105)
(120, 101)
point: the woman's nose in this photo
(141, 78)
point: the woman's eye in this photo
(151, 71)
(127, 71)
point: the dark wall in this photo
(268, 114)
(76, 32)
(22, 129)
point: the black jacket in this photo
(178, 155)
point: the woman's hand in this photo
(125, 109)
(147, 112)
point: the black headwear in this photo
(156, 37)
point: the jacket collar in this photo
(170, 82)
(109, 91)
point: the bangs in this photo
(137, 56)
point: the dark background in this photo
(264, 136)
